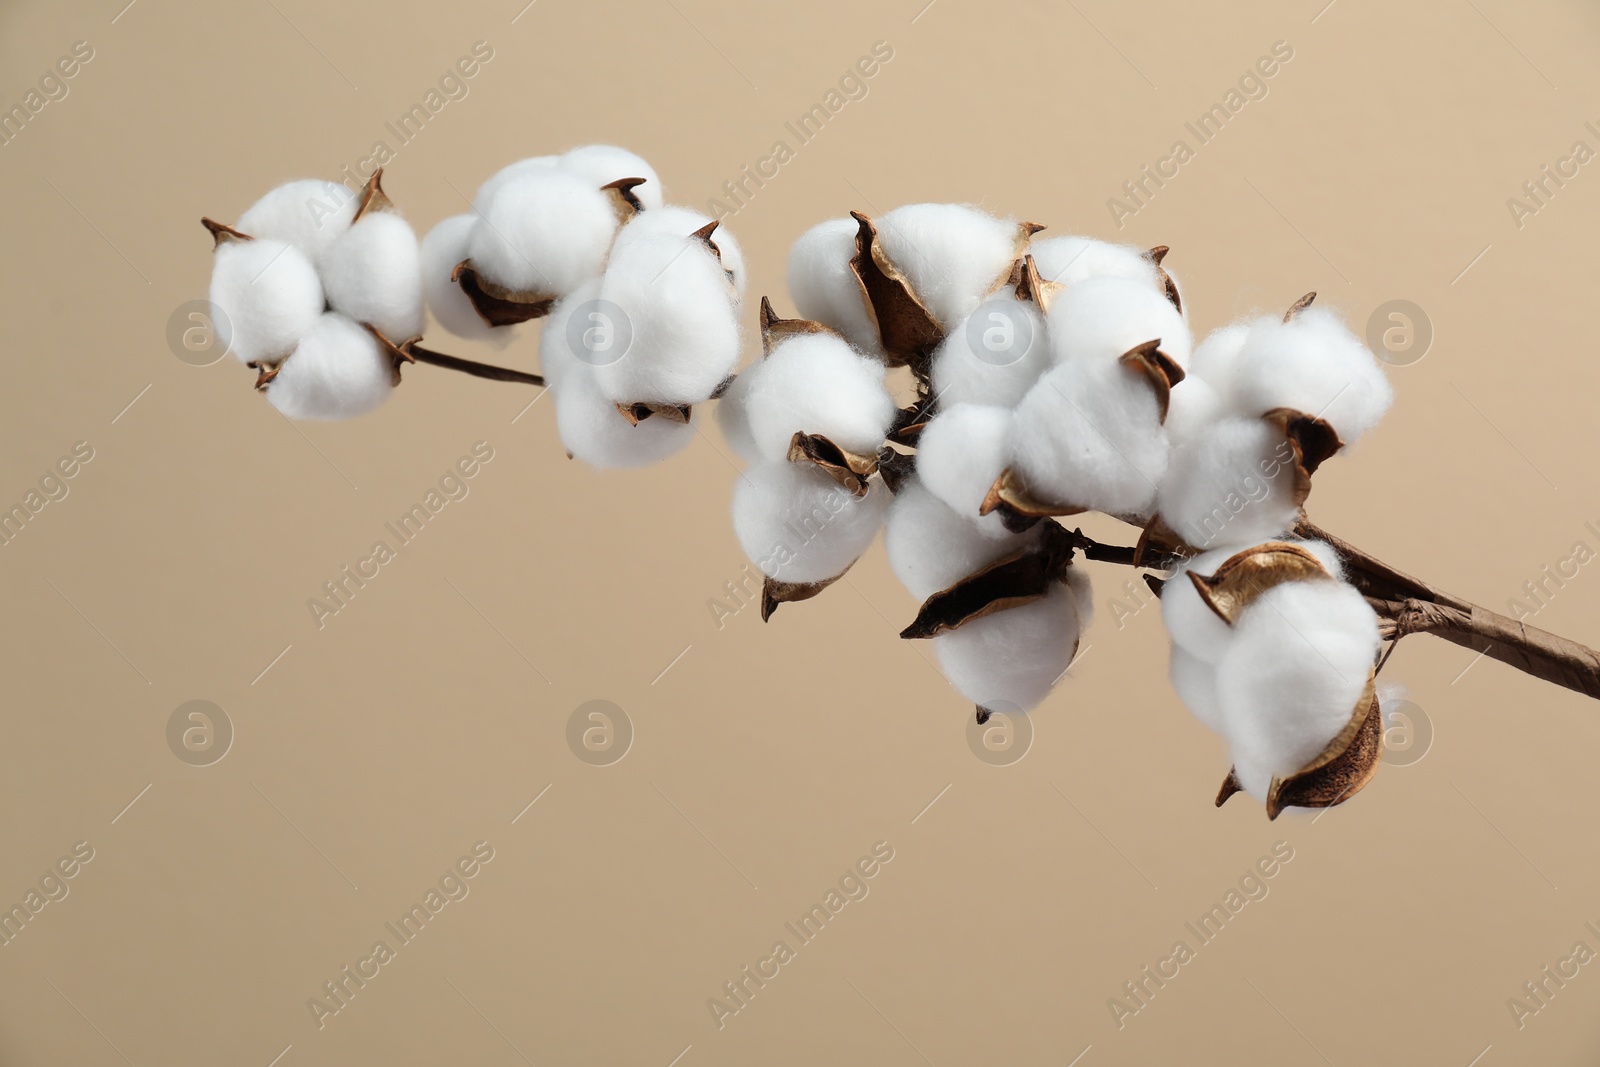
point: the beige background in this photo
(427, 715)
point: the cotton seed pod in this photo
(815, 383)
(931, 548)
(801, 528)
(951, 255)
(675, 221)
(1312, 364)
(996, 354)
(309, 213)
(678, 303)
(270, 296)
(372, 273)
(1216, 358)
(1088, 436)
(542, 233)
(1067, 260)
(1100, 319)
(601, 164)
(443, 248)
(338, 370)
(1014, 658)
(1296, 683)
(960, 453)
(1235, 483)
(593, 430)
(826, 289)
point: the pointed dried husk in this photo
(1243, 577)
(623, 201)
(703, 235)
(222, 233)
(774, 331)
(1019, 509)
(1030, 287)
(1168, 287)
(1009, 582)
(1158, 368)
(1299, 306)
(906, 327)
(496, 304)
(640, 410)
(1342, 769)
(1313, 439)
(774, 592)
(373, 199)
(850, 469)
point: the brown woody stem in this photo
(1410, 606)
(467, 366)
(1407, 605)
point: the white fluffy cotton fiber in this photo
(816, 383)
(799, 525)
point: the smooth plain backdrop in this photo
(371, 753)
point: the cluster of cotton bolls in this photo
(1054, 376)
(640, 299)
(300, 283)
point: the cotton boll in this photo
(733, 419)
(1300, 660)
(1234, 483)
(1195, 682)
(1014, 656)
(594, 431)
(1315, 365)
(1325, 555)
(825, 289)
(1193, 407)
(308, 214)
(959, 456)
(510, 173)
(799, 525)
(557, 357)
(1068, 260)
(1216, 358)
(952, 255)
(931, 548)
(674, 221)
(602, 164)
(1090, 435)
(373, 274)
(543, 231)
(1100, 319)
(816, 383)
(1190, 622)
(269, 296)
(678, 306)
(338, 371)
(993, 356)
(443, 248)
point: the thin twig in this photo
(467, 366)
